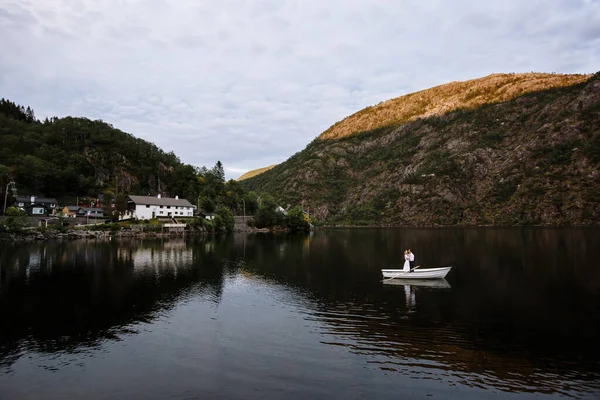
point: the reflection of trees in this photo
(519, 298)
(61, 296)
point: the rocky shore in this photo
(72, 234)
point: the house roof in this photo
(164, 201)
(72, 208)
(34, 205)
(27, 199)
(95, 209)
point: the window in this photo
(160, 212)
(169, 207)
(147, 205)
(161, 206)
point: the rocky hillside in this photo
(502, 150)
(255, 172)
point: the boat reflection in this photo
(410, 288)
(432, 283)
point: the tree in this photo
(268, 215)
(295, 220)
(208, 204)
(224, 218)
(251, 202)
(219, 172)
(13, 211)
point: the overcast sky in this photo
(251, 82)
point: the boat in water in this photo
(425, 273)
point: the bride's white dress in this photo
(406, 266)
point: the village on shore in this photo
(40, 218)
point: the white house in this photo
(147, 207)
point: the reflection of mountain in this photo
(61, 296)
(515, 319)
(504, 324)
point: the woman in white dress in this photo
(406, 266)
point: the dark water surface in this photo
(303, 317)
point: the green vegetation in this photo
(13, 212)
(69, 158)
(531, 159)
(269, 216)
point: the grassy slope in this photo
(442, 99)
(255, 172)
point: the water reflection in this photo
(62, 296)
(517, 317)
(510, 317)
(432, 283)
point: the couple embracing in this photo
(409, 261)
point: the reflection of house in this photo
(36, 205)
(158, 261)
(148, 207)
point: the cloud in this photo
(251, 83)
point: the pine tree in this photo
(219, 172)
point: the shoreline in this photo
(74, 234)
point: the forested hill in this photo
(495, 151)
(68, 157)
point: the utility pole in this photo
(244, 202)
(14, 189)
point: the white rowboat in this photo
(428, 273)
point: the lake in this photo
(276, 316)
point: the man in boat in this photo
(411, 259)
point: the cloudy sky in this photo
(251, 82)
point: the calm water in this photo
(303, 317)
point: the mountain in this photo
(507, 149)
(255, 172)
(68, 157)
(442, 99)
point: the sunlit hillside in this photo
(512, 149)
(255, 172)
(441, 99)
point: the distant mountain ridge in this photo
(507, 149)
(255, 172)
(442, 99)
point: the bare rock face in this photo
(516, 150)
